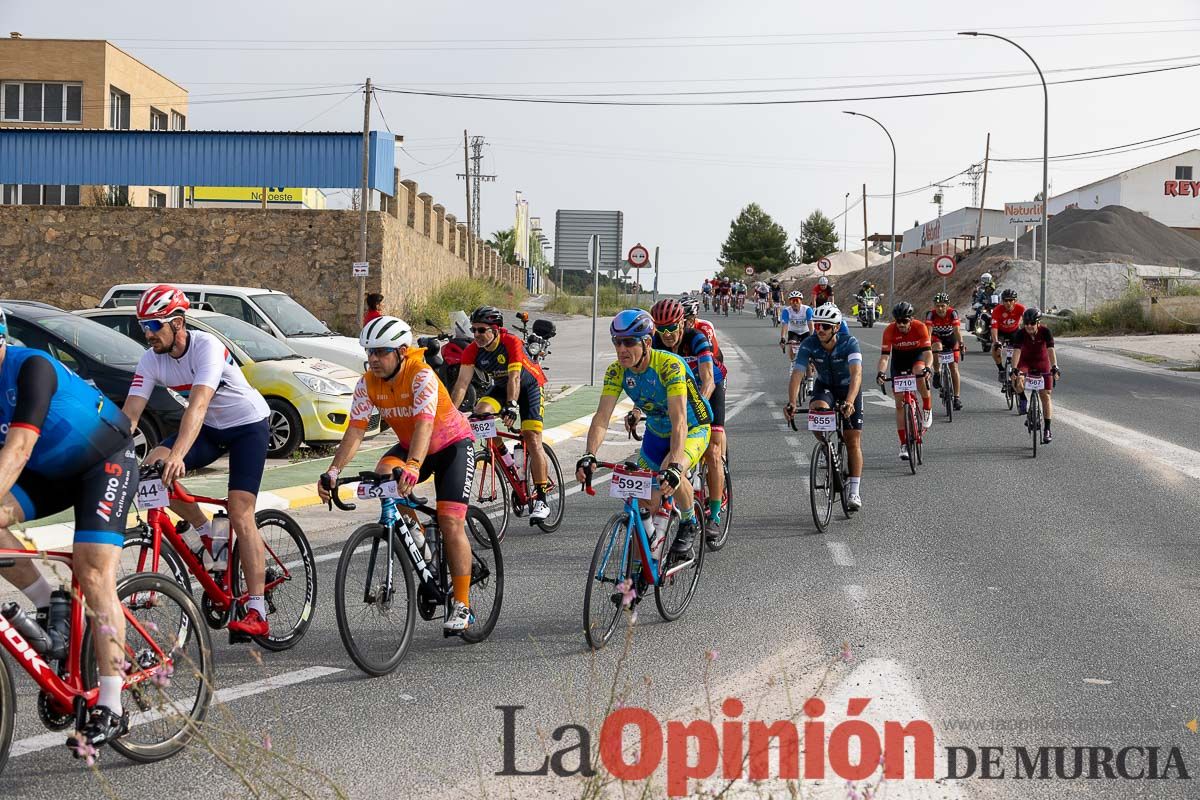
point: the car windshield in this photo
(291, 317)
(258, 345)
(93, 339)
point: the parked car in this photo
(99, 356)
(273, 312)
(309, 398)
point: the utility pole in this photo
(656, 273)
(845, 223)
(472, 162)
(938, 197)
(973, 173)
(364, 199)
(470, 228)
(866, 263)
(987, 151)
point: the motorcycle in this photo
(445, 359)
(868, 312)
(537, 343)
(981, 324)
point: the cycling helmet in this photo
(822, 281)
(985, 277)
(828, 314)
(691, 307)
(796, 295)
(941, 297)
(390, 332)
(866, 284)
(162, 301)
(1032, 316)
(1008, 294)
(488, 315)
(633, 323)
(666, 312)
(902, 311)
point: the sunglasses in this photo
(626, 342)
(479, 331)
(380, 352)
(152, 325)
(824, 326)
(668, 328)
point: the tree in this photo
(818, 237)
(504, 242)
(755, 240)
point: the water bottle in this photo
(662, 518)
(37, 638)
(195, 542)
(220, 541)
(58, 623)
(507, 458)
(418, 536)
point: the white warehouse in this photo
(955, 230)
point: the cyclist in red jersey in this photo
(906, 344)
(1033, 354)
(691, 310)
(1006, 321)
(822, 293)
(945, 330)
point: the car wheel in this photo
(285, 429)
(145, 438)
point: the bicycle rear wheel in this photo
(376, 611)
(821, 485)
(910, 435)
(487, 578)
(8, 708)
(602, 600)
(677, 581)
(555, 496)
(720, 537)
(290, 573)
(489, 492)
(169, 687)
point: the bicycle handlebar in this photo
(629, 465)
(366, 476)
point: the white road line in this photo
(855, 593)
(777, 415)
(792, 441)
(800, 459)
(742, 405)
(840, 553)
(47, 740)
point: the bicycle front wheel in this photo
(489, 492)
(910, 435)
(290, 578)
(1035, 419)
(8, 708)
(679, 577)
(602, 599)
(487, 578)
(948, 393)
(374, 602)
(555, 496)
(820, 485)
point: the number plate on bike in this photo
(151, 494)
(369, 491)
(945, 358)
(822, 420)
(1007, 351)
(793, 348)
(630, 484)
(904, 383)
(1035, 382)
(484, 428)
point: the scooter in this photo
(446, 360)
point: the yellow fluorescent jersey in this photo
(667, 375)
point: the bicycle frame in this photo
(633, 522)
(509, 473)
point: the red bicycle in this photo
(496, 465)
(904, 386)
(291, 574)
(168, 670)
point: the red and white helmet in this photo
(162, 301)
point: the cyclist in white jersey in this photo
(224, 415)
(796, 322)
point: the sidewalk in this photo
(1172, 351)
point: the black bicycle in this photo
(946, 381)
(1010, 394)
(1033, 413)
(375, 617)
(828, 466)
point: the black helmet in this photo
(902, 311)
(488, 315)
(1032, 316)
(1008, 294)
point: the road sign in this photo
(362, 269)
(824, 265)
(639, 256)
(749, 270)
(625, 267)
(944, 265)
(1023, 213)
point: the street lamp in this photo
(892, 281)
(1045, 156)
(845, 218)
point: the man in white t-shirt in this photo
(224, 415)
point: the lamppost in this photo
(845, 218)
(1045, 155)
(892, 281)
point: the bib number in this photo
(625, 484)
(793, 348)
(904, 383)
(1035, 382)
(822, 421)
(484, 428)
(995, 299)
(945, 358)
(369, 491)
(151, 494)
(1008, 351)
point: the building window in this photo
(1183, 173)
(41, 102)
(118, 109)
(178, 121)
(158, 119)
(118, 196)
(157, 199)
(40, 195)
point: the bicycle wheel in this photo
(948, 392)
(720, 537)
(290, 578)
(487, 578)
(602, 600)
(842, 473)
(138, 551)
(375, 616)
(555, 497)
(910, 435)
(1010, 397)
(8, 709)
(489, 492)
(677, 581)
(1035, 419)
(821, 485)
(170, 685)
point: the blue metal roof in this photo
(195, 158)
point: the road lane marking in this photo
(777, 415)
(742, 405)
(840, 553)
(792, 441)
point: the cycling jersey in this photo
(915, 339)
(706, 288)
(1006, 321)
(205, 362)
(705, 327)
(761, 291)
(505, 354)
(724, 287)
(413, 394)
(695, 349)
(1034, 355)
(942, 326)
(832, 367)
(666, 375)
(797, 321)
(776, 294)
(822, 295)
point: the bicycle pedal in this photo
(238, 638)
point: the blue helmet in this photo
(633, 323)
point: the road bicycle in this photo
(724, 302)
(168, 662)
(806, 385)
(760, 308)
(904, 386)
(1034, 384)
(946, 381)
(828, 466)
(503, 482)
(707, 299)
(375, 616)
(632, 556)
(290, 588)
(720, 537)
(1010, 395)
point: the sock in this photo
(110, 692)
(38, 592)
(540, 489)
(714, 505)
(689, 516)
(926, 403)
(1023, 397)
(462, 589)
(1046, 423)
(258, 603)
(852, 484)
(903, 436)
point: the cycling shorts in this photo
(531, 403)
(717, 401)
(246, 446)
(1006, 338)
(452, 468)
(101, 496)
(655, 448)
(793, 336)
(907, 361)
(832, 395)
(947, 343)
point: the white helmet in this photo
(828, 313)
(985, 277)
(796, 295)
(385, 332)
(822, 281)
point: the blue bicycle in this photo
(632, 555)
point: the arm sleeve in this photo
(785, 316)
(36, 384)
(361, 406)
(926, 340)
(808, 313)
(425, 394)
(612, 380)
(210, 361)
(702, 348)
(144, 379)
(1049, 337)
(885, 346)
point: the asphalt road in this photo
(1006, 600)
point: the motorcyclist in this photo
(983, 295)
(866, 296)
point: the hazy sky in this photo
(680, 174)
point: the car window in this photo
(67, 357)
(121, 323)
(258, 345)
(231, 306)
(94, 340)
(30, 335)
(289, 316)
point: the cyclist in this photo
(822, 293)
(796, 322)
(517, 388)
(739, 290)
(225, 415)
(724, 288)
(677, 416)
(434, 440)
(1033, 353)
(65, 445)
(761, 293)
(690, 311)
(673, 335)
(776, 297)
(906, 345)
(945, 328)
(1006, 320)
(707, 289)
(836, 359)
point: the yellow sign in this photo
(247, 194)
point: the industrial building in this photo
(956, 230)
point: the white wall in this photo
(1142, 190)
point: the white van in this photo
(267, 309)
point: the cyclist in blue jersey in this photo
(66, 445)
(837, 361)
(678, 418)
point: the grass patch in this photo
(1122, 316)
(610, 303)
(464, 294)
